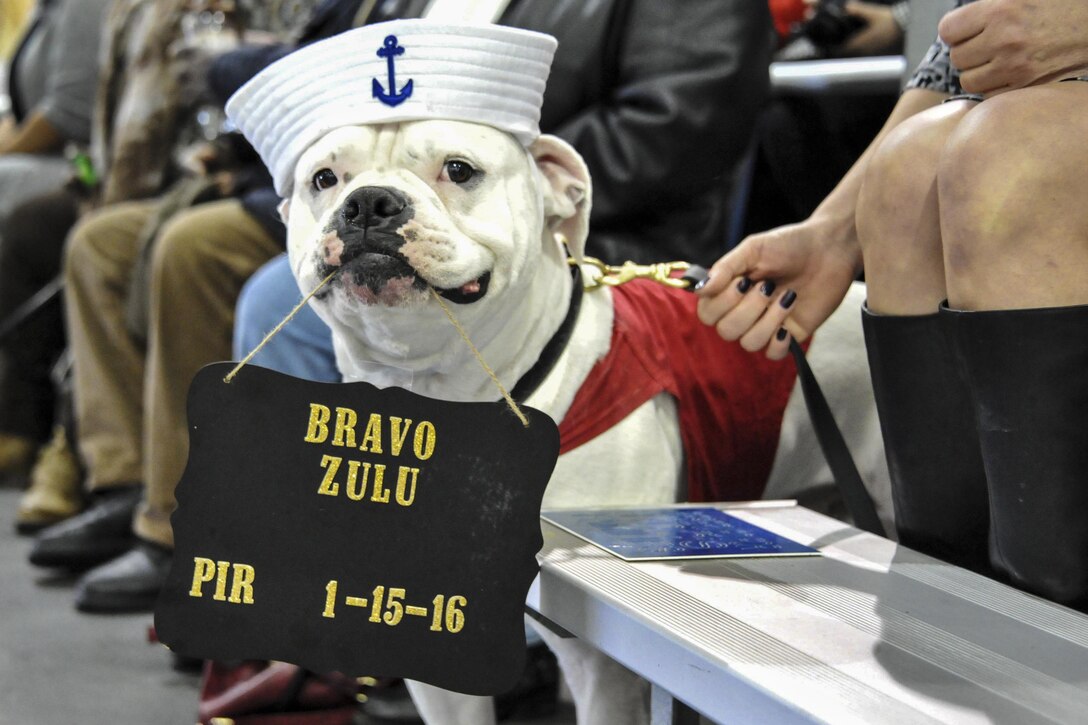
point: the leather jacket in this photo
(660, 98)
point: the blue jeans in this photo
(303, 347)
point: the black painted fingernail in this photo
(767, 288)
(700, 284)
(744, 285)
(781, 334)
(788, 299)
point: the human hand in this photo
(790, 278)
(207, 161)
(225, 182)
(880, 36)
(1000, 45)
(199, 159)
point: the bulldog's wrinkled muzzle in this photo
(364, 236)
(367, 222)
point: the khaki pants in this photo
(130, 403)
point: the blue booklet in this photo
(673, 533)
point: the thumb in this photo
(737, 262)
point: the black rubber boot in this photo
(1028, 374)
(930, 439)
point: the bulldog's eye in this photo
(459, 171)
(325, 179)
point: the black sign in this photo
(345, 528)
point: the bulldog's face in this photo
(401, 208)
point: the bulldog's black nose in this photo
(371, 206)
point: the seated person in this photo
(136, 139)
(130, 266)
(13, 17)
(968, 220)
(51, 80)
(806, 141)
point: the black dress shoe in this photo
(101, 533)
(129, 583)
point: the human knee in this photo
(900, 176)
(888, 178)
(906, 159)
(189, 253)
(84, 248)
(1000, 133)
(184, 248)
(1009, 156)
(976, 149)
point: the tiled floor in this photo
(60, 667)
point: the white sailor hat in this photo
(401, 70)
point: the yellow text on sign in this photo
(376, 435)
(240, 577)
(358, 476)
(387, 606)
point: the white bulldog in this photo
(396, 210)
(413, 164)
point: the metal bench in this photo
(844, 76)
(869, 632)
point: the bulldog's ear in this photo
(567, 190)
(284, 209)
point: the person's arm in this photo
(836, 212)
(816, 259)
(882, 35)
(35, 135)
(1000, 45)
(73, 69)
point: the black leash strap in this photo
(845, 472)
(549, 356)
(843, 469)
(31, 306)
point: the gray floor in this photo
(60, 667)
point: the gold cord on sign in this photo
(445, 308)
(601, 275)
(275, 330)
(480, 358)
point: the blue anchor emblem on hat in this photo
(390, 50)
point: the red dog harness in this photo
(730, 402)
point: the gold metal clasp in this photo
(613, 276)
